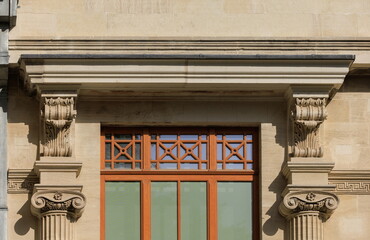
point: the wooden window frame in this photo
(211, 176)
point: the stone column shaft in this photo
(306, 226)
(56, 226)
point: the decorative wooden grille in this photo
(178, 149)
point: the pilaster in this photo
(57, 201)
(308, 199)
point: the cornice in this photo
(160, 73)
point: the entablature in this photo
(120, 76)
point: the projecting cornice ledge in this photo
(122, 75)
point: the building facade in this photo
(173, 119)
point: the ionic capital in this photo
(301, 202)
(50, 201)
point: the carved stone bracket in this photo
(70, 202)
(57, 116)
(307, 114)
(300, 202)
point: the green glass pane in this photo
(164, 210)
(234, 210)
(193, 211)
(122, 210)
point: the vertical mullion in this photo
(102, 208)
(212, 209)
(178, 151)
(146, 150)
(212, 146)
(178, 210)
(145, 210)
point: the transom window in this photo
(178, 149)
(179, 183)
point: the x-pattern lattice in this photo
(158, 149)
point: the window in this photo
(179, 183)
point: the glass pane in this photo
(168, 165)
(234, 137)
(164, 211)
(137, 151)
(168, 137)
(137, 137)
(249, 137)
(108, 165)
(122, 136)
(204, 151)
(108, 151)
(234, 165)
(122, 165)
(189, 165)
(219, 151)
(249, 151)
(234, 210)
(193, 211)
(153, 152)
(189, 137)
(219, 165)
(122, 209)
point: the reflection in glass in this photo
(249, 151)
(122, 136)
(163, 211)
(122, 210)
(234, 137)
(189, 137)
(193, 211)
(122, 165)
(234, 165)
(168, 165)
(137, 151)
(189, 165)
(168, 137)
(234, 210)
(108, 151)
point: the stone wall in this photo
(192, 18)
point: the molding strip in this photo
(21, 181)
(351, 182)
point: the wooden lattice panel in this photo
(123, 151)
(179, 149)
(235, 151)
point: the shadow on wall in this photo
(355, 83)
(27, 221)
(23, 109)
(276, 221)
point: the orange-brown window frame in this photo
(211, 176)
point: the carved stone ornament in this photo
(57, 114)
(307, 115)
(305, 201)
(49, 201)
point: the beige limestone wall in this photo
(347, 143)
(350, 220)
(55, 19)
(347, 129)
